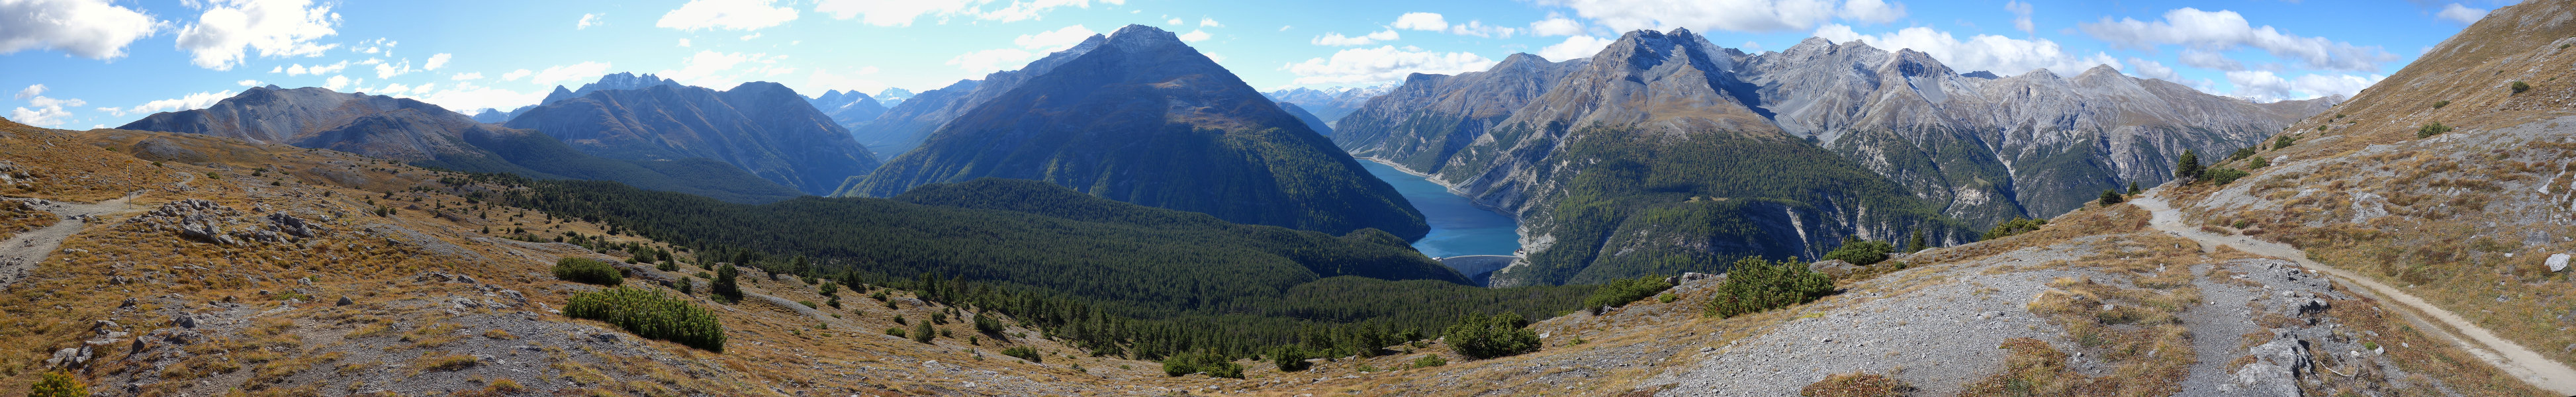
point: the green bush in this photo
(2285, 141)
(1621, 291)
(1754, 285)
(57, 384)
(1430, 361)
(922, 332)
(896, 331)
(1211, 363)
(2258, 163)
(2240, 153)
(1290, 358)
(985, 323)
(649, 314)
(2187, 167)
(2431, 129)
(1862, 253)
(2225, 175)
(2014, 226)
(588, 271)
(2111, 197)
(727, 284)
(1480, 336)
(2440, 104)
(2519, 87)
(1025, 353)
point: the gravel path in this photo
(2223, 315)
(23, 252)
(1937, 337)
(2510, 357)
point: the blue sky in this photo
(85, 63)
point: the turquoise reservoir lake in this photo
(1458, 227)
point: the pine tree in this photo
(726, 286)
(2188, 167)
(1917, 244)
(2133, 188)
(2110, 197)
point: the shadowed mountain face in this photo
(1929, 143)
(425, 134)
(912, 120)
(1308, 119)
(1140, 117)
(761, 127)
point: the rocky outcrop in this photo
(761, 127)
(208, 222)
(1140, 117)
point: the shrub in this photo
(57, 384)
(1754, 285)
(2519, 87)
(587, 271)
(2014, 226)
(2285, 141)
(2431, 129)
(1480, 336)
(2258, 163)
(2440, 104)
(2110, 197)
(896, 331)
(1430, 361)
(1211, 363)
(667, 266)
(726, 284)
(1024, 353)
(2225, 175)
(1862, 253)
(1290, 358)
(2133, 189)
(2240, 153)
(922, 332)
(1857, 385)
(651, 315)
(1621, 291)
(986, 324)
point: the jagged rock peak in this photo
(1135, 37)
(1916, 63)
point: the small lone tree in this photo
(922, 332)
(2430, 129)
(1916, 244)
(726, 285)
(2133, 188)
(2188, 167)
(2519, 87)
(2111, 197)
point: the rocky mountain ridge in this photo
(1138, 116)
(762, 127)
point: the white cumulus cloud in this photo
(587, 21)
(1206, 22)
(2462, 14)
(91, 29)
(1556, 25)
(2224, 30)
(1337, 39)
(437, 61)
(2153, 70)
(1576, 47)
(387, 70)
(1421, 21)
(1873, 11)
(904, 12)
(336, 82)
(726, 14)
(467, 96)
(563, 73)
(2209, 60)
(248, 83)
(276, 28)
(1383, 64)
(992, 60)
(2261, 85)
(466, 76)
(1055, 40)
(31, 91)
(2021, 16)
(184, 102)
(1195, 35)
(514, 75)
(1998, 54)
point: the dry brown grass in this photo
(1857, 385)
(2089, 221)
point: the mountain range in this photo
(905, 125)
(848, 108)
(1929, 144)
(420, 133)
(1330, 104)
(612, 81)
(762, 127)
(1138, 116)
